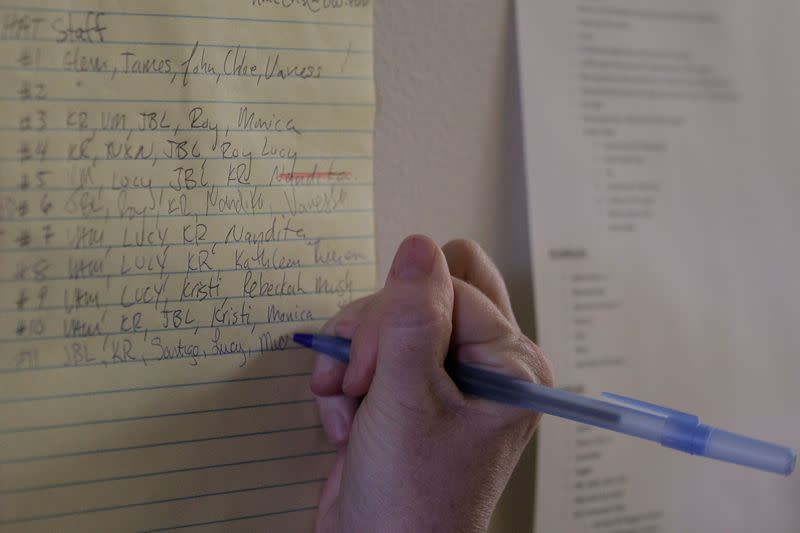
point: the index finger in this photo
(468, 262)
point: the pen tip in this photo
(305, 339)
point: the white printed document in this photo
(663, 164)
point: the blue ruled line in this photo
(103, 392)
(233, 519)
(179, 272)
(119, 420)
(148, 101)
(164, 330)
(145, 360)
(189, 17)
(16, 129)
(303, 182)
(36, 488)
(134, 247)
(156, 159)
(204, 45)
(63, 455)
(177, 74)
(35, 518)
(232, 297)
(160, 215)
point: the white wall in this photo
(448, 156)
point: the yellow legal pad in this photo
(183, 185)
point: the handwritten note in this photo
(183, 184)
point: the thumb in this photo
(414, 316)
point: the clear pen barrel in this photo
(601, 414)
(639, 424)
(671, 428)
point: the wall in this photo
(448, 156)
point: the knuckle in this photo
(534, 361)
(347, 319)
(431, 314)
(539, 363)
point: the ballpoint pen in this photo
(673, 429)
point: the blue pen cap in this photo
(683, 431)
(747, 451)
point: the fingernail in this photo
(324, 364)
(337, 427)
(414, 259)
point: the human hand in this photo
(415, 454)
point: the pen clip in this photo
(651, 408)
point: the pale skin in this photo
(414, 453)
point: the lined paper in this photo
(183, 184)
